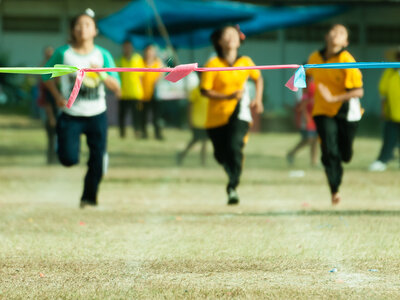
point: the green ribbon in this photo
(56, 71)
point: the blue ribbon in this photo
(355, 65)
(300, 78)
(300, 74)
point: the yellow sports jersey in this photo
(389, 88)
(338, 81)
(149, 80)
(199, 107)
(226, 82)
(131, 82)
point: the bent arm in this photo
(113, 84)
(353, 93)
(257, 103)
(212, 94)
(51, 86)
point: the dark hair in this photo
(72, 24)
(216, 37)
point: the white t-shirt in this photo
(91, 99)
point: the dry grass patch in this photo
(164, 232)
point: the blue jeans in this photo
(69, 130)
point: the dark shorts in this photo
(199, 134)
(308, 134)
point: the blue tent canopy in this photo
(190, 22)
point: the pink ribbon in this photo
(77, 86)
(175, 74)
(192, 67)
(290, 84)
(180, 72)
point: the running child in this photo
(225, 90)
(88, 114)
(337, 109)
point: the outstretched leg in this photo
(331, 159)
(96, 138)
(69, 130)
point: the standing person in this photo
(389, 89)
(337, 108)
(150, 103)
(225, 90)
(88, 114)
(197, 116)
(48, 103)
(306, 124)
(131, 90)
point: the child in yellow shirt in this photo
(225, 90)
(131, 90)
(336, 109)
(150, 103)
(389, 89)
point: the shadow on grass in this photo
(163, 159)
(206, 179)
(392, 213)
(17, 126)
(152, 160)
(20, 151)
(21, 156)
(191, 215)
(166, 159)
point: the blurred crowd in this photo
(218, 106)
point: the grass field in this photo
(163, 232)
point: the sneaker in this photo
(85, 202)
(377, 166)
(105, 163)
(233, 197)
